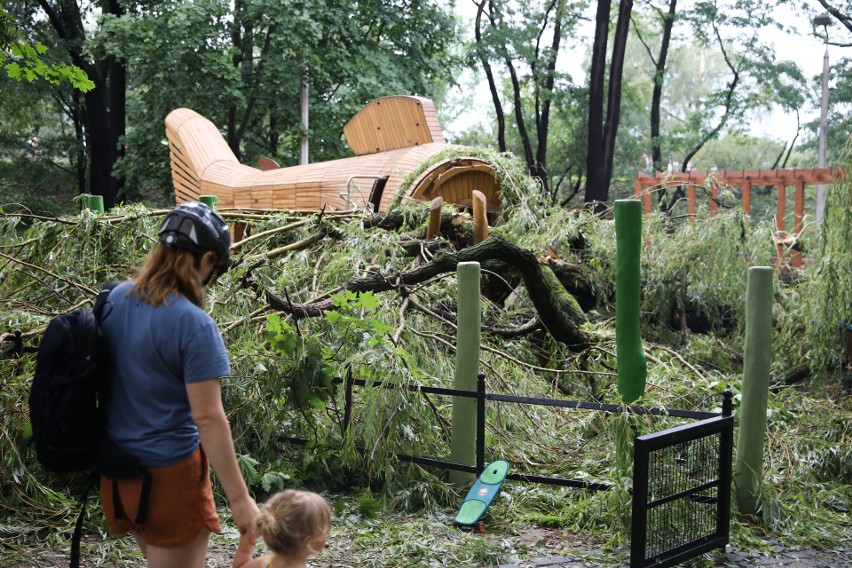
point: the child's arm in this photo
(242, 557)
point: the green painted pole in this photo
(94, 203)
(631, 362)
(211, 200)
(757, 357)
(463, 446)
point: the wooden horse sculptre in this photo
(391, 137)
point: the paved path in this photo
(733, 558)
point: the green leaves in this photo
(29, 62)
(310, 378)
(348, 321)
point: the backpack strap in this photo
(101, 300)
(78, 526)
(144, 500)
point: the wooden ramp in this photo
(392, 137)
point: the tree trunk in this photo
(659, 77)
(492, 83)
(104, 119)
(557, 309)
(603, 130)
(596, 190)
(619, 46)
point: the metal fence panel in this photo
(681, 492)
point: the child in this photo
(294, 525)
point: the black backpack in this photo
(70, 372)
(66, 408)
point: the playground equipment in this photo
(391, 137)
(745, 180)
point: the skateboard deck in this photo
(484, 489)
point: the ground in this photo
(527, 548)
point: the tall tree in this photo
(603, 128)
(518, 46)
(659, 61)
(104, 119)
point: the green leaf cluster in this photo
(28, 61)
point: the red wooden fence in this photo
(745, 179)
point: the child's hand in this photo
(248, 540)
(242, 558)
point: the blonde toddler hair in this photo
(290, 516)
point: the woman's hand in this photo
(245, 512)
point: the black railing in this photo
(482, 396)
(681, 476)
(682, 491)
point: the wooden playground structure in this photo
(745, 180)
(391, 137)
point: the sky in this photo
(804, 49)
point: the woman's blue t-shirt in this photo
(155, 352)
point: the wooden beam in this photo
(480, 219)
(434, 228)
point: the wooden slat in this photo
(480, 219)
(434, 228)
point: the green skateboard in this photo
(484, 489)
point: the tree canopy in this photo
(691, 75)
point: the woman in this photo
(164, 405)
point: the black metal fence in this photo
(482, 397)
(682, 491)
(681, 476)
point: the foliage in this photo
(284, 385)
(818, 313)
(28, 61)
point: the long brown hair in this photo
(167, 270)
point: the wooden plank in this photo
(480, 219)
(690, 202)
(434, 227)
(714, 191)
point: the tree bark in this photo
(602, 130)
(104, 118)
(559, 312)
(595, 189)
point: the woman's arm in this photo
(205, 401)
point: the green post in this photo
(211, 200)
(757, 357)
(463, 446)
(95, 203)
(631, 362)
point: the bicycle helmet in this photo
(196, 227)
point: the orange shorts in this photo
(180, 505)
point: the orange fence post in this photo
(779, 220)
(690, 202)
(799, 207)
(747, 197)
